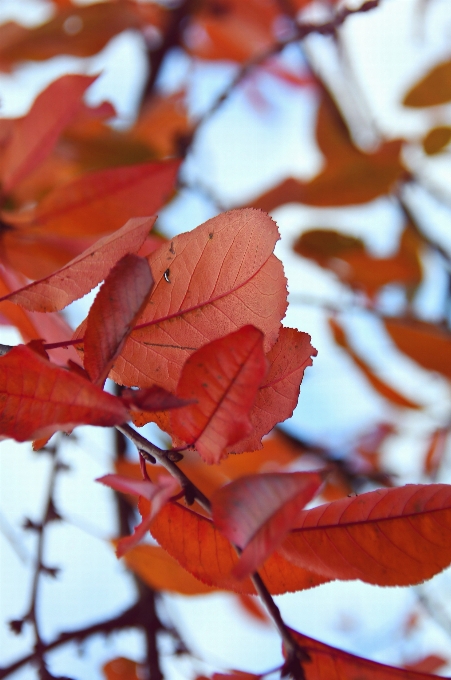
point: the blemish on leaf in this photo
(210, 235)
(171, 249)
(166, 276)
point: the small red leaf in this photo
(113, 313)
(223, 378)
(84, 272)
(256, 513)
(37, 398)
(152, 399)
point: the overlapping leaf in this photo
(389, 537)
(208, 283)
(200, 548)
(330, 663)
(83, 273)
(37, 397)
(118, 303)
(256, 512)
(222, 379)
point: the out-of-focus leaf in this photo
(252, 607)
(423, 342)
(428, 664)
(162, 572)
(208, 283)
(379, 385)
(84, 272)
(330, 663)
(200, 548)
(113, 313)
(34, 136)
(256, 513)
(37, 397)
(122, 669)
(348, 258)
(222, 379)
(433, 89)
(163, 124)
(436, 140)
(388, 537)
(435, 451)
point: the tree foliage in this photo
(190, 329)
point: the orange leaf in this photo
(162, 572)
(122, 669)
(433, 89)
(38, 398)
(436, 451)
(80, 275)
(201, 549)
(379, 385)
(223, 378)
(330, 663)
(388, 537)
(425, 343)
(163, 124)
(35, 135)
(257, 512)
(208, 282)
(100, 202)
(252, 607)
(436, 140)
(428, 664)
(279, 393)
(118, 303)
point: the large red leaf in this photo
(84, 272)
(279, 393)
(330, 663)
(389, 537)
(256, 512)
(101, 202)
(208, 282)
(35, 135)
(37, 397)
(113, 313)
(201, 549)
(223, 378)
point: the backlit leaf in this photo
(83, 273)
(425, 343)
(433, 89)
(388, 537)
(208, 283)
(201, 549)
(256, 513)
(37, 397)
(118, 303)
(34, 136)
(222, 378)
(330, 663)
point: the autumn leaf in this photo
(256, 513)
(208, 283)
(122, 668)
(278, 395)
(436, 140)
(433, 89)
(222, 378)
(388, 537)
(84, 272)
(34, 136)
(162, 572)
(330, 663)
(152, 399)
(425, 343)
(38, 397)
(111, 318)
(99, 202)
(197, 545)
(158, 493)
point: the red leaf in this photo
(152, 399)
(329, 663)
(197, 545)
(278, 396)
(208, 282)
(101, 202)
(389, 537)
(35, 135)
(223, 378)
(158, 493)
(256, 513)
(37, 398)
(113, 313)
(84, 272)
